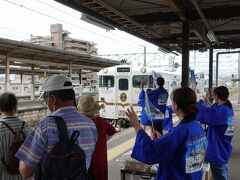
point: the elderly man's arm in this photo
(25, 170)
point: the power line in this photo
(35, 11)
(75, 17)
(59, 10)
(9, 29)
(11, 36)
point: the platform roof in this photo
(160, 21)
(27, 55)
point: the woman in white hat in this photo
(90, 108)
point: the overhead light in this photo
(97, 22)
(211, 36)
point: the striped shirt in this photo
(6, 139)
(45, 135)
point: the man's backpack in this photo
(12, 164)
(66, 160)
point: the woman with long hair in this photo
(180, 153)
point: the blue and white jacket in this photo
(158, 97)
(220, 121)
(180, 153)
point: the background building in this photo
(60, 39)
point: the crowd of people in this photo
(37, 154)
(74, 135)
(182, 152)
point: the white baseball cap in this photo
(56, 82)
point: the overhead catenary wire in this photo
(66, 22)
(14, 30)
(77, 18)
(11, 36)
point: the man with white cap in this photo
(60, 98)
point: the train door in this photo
(122, 96)
(107, 95)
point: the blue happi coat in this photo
(220, 121)
(180, 153)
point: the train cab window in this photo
(123, 84)
(106, 81)
(147, 78)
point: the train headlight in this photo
(105, 70)
(143, 70)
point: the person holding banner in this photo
(141, 102)
(180, 153)
(158, 98)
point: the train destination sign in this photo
(123, 69)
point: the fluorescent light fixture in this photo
(211, 36)
(97, 22)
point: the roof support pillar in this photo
(217, 69)
(238, 83)
(80, 76)
(70, 70)
(7, 73)
(32, 84)
(21, 79)
(185, 54)
(210, 80)
(80, 82)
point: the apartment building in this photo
(60, 39)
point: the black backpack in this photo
(12, 165)
(66, 161)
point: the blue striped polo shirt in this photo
(45, 135)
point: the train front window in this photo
(123, 84)
(106, 81)
(146, 78)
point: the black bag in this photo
(90, 174)
(12, 164)
(66, 160)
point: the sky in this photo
(22, 18)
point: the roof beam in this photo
(223, 45)
(168, 17)
(204, 19)
(42, 63)
(110, 15)
(197, 30)
(175, 37)
(177, 9)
